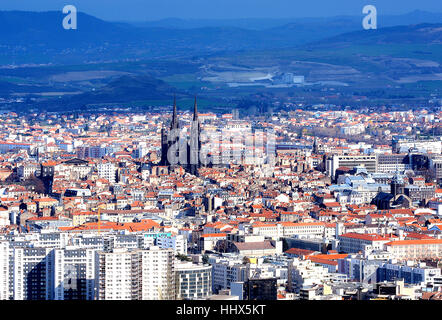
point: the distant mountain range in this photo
(31, 37)
(412, 34)
(116, 63)
(415, 17)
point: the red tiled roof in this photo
(214, 235)
(414, 242)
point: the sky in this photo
(143, 10)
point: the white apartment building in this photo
(287, 229)
(51, 239)
(74, 274)
(118, 274)
(107, 170)
(178, 243)
(227, 270)
(158, 274)
(363, 268)
(193, 281)
(351, 161)
(136, 274)
(302, 273)
(391, 163)
(26, 170)
(313, 229)
(415, 249)
(425, 146)
(409, 271)
(6, 275)
(32, 273)
(350, 197)
(269, 270)
(355, 242)
(75, 169)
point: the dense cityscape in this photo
(207, 159)
(335, 205)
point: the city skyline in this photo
(221, 166)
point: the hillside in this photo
(122, 90)
(411, 34)
(111, 63)
(38, 37)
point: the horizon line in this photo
(227, 19)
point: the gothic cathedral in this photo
(177, 150)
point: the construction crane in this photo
(100, 206)
(99, 220)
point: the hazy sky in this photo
(139, 10)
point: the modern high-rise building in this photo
(6, 271)
(33, 270)
(74, 274)
(391, 163)
(351, 161)
(125, 274)
(158, 274)
(193, 281)
(119, 275)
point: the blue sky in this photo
(140, 10)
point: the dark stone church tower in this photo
(183, 152)
(170, 139)
(194, 143)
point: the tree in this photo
(35, 183)
(183, 257)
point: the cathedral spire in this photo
(174, 123)
(195, 111)
(195, 143)
(315, 145)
